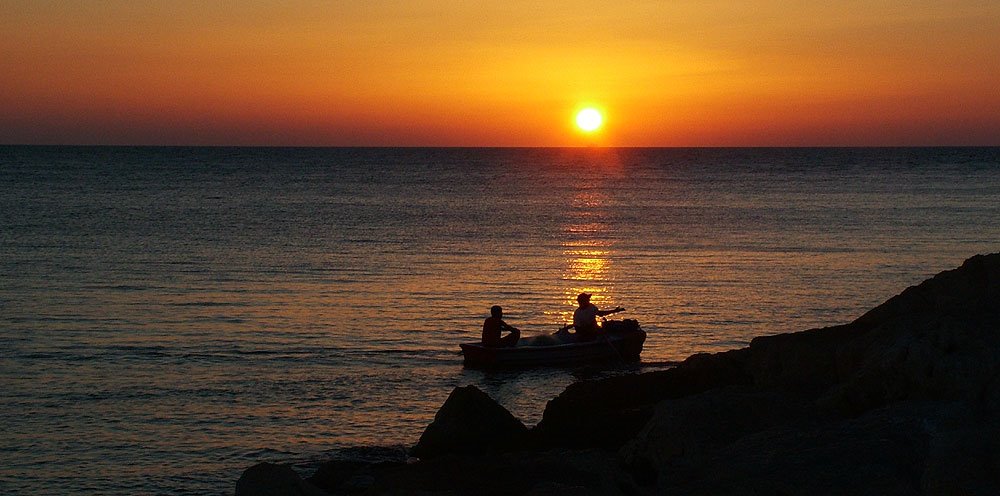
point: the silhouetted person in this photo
(585, 316)
(494, 326)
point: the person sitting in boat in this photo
(494, 326)
(585, 317)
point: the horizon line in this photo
(513, 147)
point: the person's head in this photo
(583, 299)
(496, 311)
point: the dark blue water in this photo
(170, 316)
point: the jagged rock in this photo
(937, 340)
(470, 422)
(964, 462)
(880, 453)
(347, 476)
(687, 431)
(505, 474)
(938, 359)
(803, 362)
(970, 289)
(269, 479)
(606, 413)
(557, 489)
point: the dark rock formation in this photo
(804, 362)
(687, 431)
(609, 412)
(528, 472)
(349, 477)
(879, 453)
(470, 422)
(928, 344)
(964, 460)
(269, 479)
(937, 340)
(901, 401)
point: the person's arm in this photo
(602, 313)
(508, 327)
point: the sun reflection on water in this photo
(588, 251)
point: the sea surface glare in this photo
(171, 316)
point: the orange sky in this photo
(459, 73)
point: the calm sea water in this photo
(170, 316)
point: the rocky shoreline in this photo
(904, 400)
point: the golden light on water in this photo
(587, 264)
(588, 254)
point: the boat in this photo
(620, 341)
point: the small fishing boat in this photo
(619, 341)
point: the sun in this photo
(589, 120)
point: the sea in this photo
(170, 316)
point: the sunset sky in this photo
(512, 73)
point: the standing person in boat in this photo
(585, 317)
(494, 326)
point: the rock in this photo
(606, 413)
(470, 422)
(687, 431)
(269, 479)
(937, 340)
(348, 477)
(880, 453)
(964, 462)
(504, 474)
(924, 345)
(557, 489)
(804, 362)
(943, 358)
(357, 468)
(972, 288)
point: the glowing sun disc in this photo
(589, 119)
